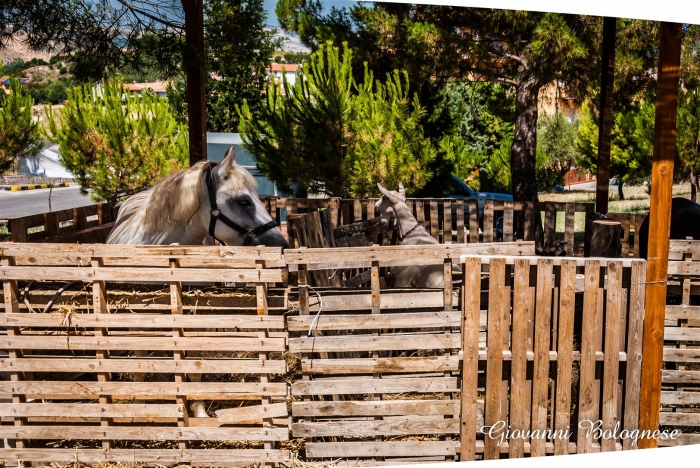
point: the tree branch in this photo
(150, 16)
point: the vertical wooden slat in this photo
(550, 223)
(356, 211)
(334, 212)
(569, 220)
(612, 353)
(11, 299)
(565, 342)
(529, 234)
(18, 230)
(447, 222)
(374, 284)
(447, 287)
(471, 293)
(345, 212)
(540, 377)
(99, 304)
(634, 349)
(473, 222)
(459, 213)
(420, 214)
(494, 363)
(588, 411)
(508, 221)
(434, 220)
(178, 355)
(79, 218)
(519, 397)
(488, 221)
(50, 224)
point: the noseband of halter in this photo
(217, 215)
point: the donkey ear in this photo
(401, 190)
(383, 191)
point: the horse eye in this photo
(244, 202)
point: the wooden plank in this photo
(682, 312)
(459, 213)
(519, 397)
(349, 343)
(191, 366)
(550, 223)
(87, 251)
(588, 411)
(679, 419)
(90, 410)
(612, 346)
(508, 222)
(139, 274)
(488, 224)
(569, 229)
(447, 223)
(376, 428)
(375, 321)
(434, 220)
(361, 386)
(680, 377)
(375, 408)
(251, 414)
(497, 326)
(473, 221)
(681, 334)
(399, 255)
(380, 365)
(682, 355)
(471, 292)
(540, 377)
(565, 342)
(144, 432)
(147, 321)
(634, 349)
(379, 449)
(141, 343)
(681, 398)
(123, 390)
(225, 457)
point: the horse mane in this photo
(177, 197)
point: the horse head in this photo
(238, 217)
(385, 205)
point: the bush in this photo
(117, 144)
(19, 133)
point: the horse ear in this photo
(229, 161)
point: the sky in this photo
(272, 18)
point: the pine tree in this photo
(19, 133)
(326, 134)
(115, 143)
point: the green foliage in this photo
(556, 150)
(238, 53)
(477, 118)
(292, 57)
(52, 92)
(19, 134)
(330, 135)
(117, 144)
(688, 122)
(632, 142)
(14, 67)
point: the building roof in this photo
(288, 67)
(6, 81)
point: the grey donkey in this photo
(393, 205)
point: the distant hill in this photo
(17, 50)
(292, 42)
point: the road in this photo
(29, 202)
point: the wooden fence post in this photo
(659, 227)
(18, 230)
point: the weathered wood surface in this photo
(224, 457)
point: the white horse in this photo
(393, 205)
(205, 199)
(194, 205)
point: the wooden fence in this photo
(385, 375)
(78, 372)
(680, 394)
(87, 224)
(630, 231)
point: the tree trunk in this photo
(194, 67)
(620, 193)
(605, 239)
(606, 109)
(522, 154)
(693, 186)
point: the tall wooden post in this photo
(606, 110)
(659, 227)
(193, 62)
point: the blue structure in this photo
(219, 143)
